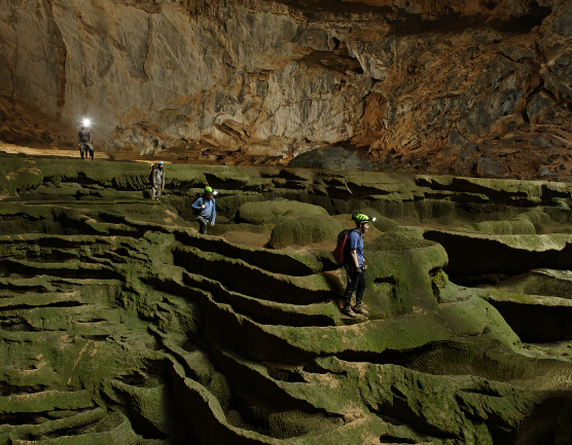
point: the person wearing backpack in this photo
(204, 208)
(84, 142)
(355, 266)
(158, 179)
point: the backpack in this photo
(152, 167)
(197, 196)
(339, 251)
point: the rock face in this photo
(331, 158)
(121, 324)
(427, 87)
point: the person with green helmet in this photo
(355, 266)
(205, 209)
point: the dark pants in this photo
(203, 225)
(84, 147)
(356, 283)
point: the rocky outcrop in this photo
(264, 81)
(331, 158)
(121, 324)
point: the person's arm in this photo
(198, 204)
(213, 214)
(354, 239)
(163, 181)
(353, 253)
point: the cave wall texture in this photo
(418, 80)
(119, 324)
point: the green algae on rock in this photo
(121, 324)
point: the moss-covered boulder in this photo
(303, 231)
(269, 211)
(402, 270)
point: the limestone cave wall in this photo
(424, 87)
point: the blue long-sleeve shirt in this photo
(209, 212)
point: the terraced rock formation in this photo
(120, 324)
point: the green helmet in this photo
(362, 218)
(208, 189)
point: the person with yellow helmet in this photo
(204, 207)
(355, 266)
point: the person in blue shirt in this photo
(355, 266)
(205, 210)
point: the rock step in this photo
(65, 318)
(266, 311)
(546, 282)
(78, 420)
(114, 429)
(534, 318)
(45, 401)
(209, 422)
(293, 344)
(289, 263)
(241, 277)
(63, 270)
(502, 254)
(9, 301)
(94, 322)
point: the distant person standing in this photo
(158, 178)
(204, 209)
(85, 142)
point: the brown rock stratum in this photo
(444, 87)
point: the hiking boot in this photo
(347, 310)
(359, 309)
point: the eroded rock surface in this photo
(445, 87)
(121, 324)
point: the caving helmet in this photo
(362, 218)
(209, 189)
(161, 163)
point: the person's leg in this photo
(91, 152)
(81, 150)
(352, 283)
(202, 225)
(361, 285)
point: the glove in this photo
(359, 270)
